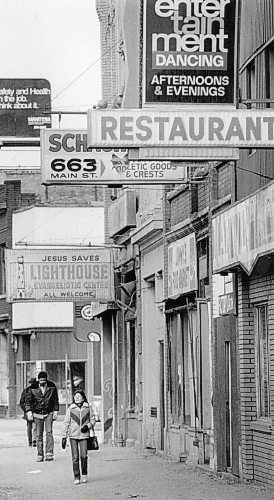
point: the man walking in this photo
(42, 405)
(31, 427)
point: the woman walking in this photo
(78, 421)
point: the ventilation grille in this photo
(153, 411)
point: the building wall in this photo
(257, 436)
(11, 199)
(259, 16)
(31, 182)
(256, 64)
(120, 28)
(152, 263)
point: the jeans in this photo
(46, 423)
(76, 446)
(31, 431)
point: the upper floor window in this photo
(251, 84)
(269, 74)
(251, 91)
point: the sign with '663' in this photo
(67, 159)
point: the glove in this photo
(64, 443)
(55, 415)
(30, 416)
(85, 428)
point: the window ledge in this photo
(175, 426)
(262, 426)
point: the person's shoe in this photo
(49, 458)
(84, 479)
(40, 459)
(76, 481)
(33, 444)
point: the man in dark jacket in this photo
(42, 405)
(31, 428)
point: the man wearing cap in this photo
(31, 427)
(42, 405)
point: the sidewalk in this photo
(114, 473)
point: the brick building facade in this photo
(11, 199)
(207, 396)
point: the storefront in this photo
(243, 241)
(189, 355)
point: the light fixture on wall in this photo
(14, 342)
(33, 335)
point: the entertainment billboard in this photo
(23, 103)
(189, 51)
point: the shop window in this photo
(202, 250)
(66, 383)
(2, 270)
(178, 369)
(77, 375)
(25, 347)
(57, 373)
(24, 371)
(262, 361)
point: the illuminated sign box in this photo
(148, 128)
(59, 275)
(25, 106)
(122, 213)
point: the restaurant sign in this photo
(244, 232)
(182, 266)
(196, 128)
(59, 275)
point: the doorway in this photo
(226, 400)
(162, 394)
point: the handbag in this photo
(93, 443)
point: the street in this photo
(114, 472)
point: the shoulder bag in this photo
(93, 443)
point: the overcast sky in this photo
(56, 40)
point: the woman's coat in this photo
(75, 418)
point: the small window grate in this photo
(153, 411)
